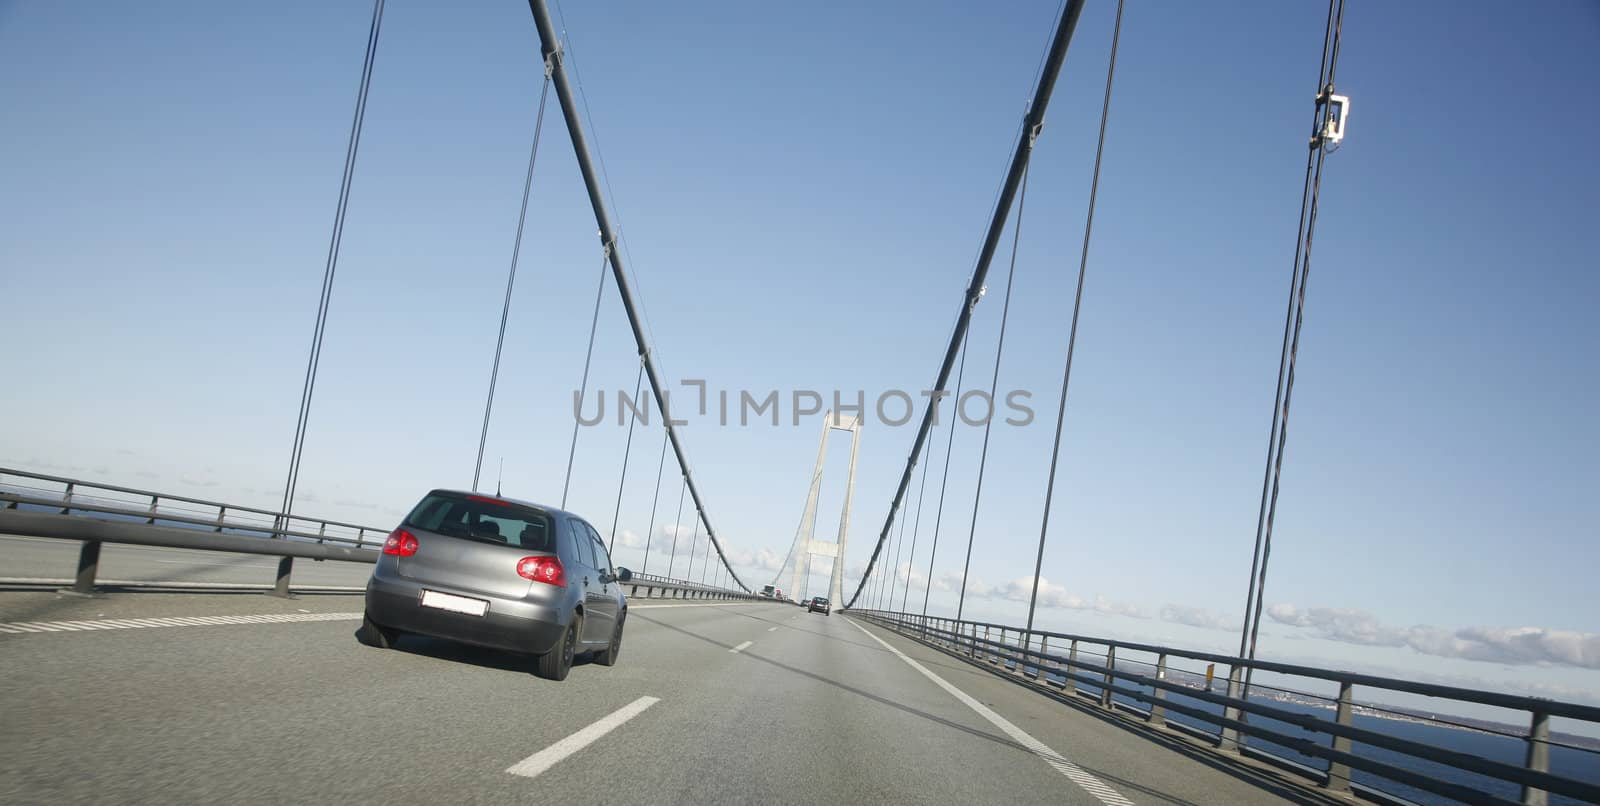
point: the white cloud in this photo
(1508, 645)
(763, 559)
(1050, 594)
(951, 582)
(1196, 617)
(906, 573)
(630, 539)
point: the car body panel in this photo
(521, 615)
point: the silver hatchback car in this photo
(500, 573)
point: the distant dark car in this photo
(498, 573)
(818, 605)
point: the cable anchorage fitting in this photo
(1333, 111)
(550, 62)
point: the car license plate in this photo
(453, 603)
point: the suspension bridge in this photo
(141, 669)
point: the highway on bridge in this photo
(210, 696)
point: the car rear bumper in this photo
(510, 624)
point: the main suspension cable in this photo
(1033, 120)
(329, 269)
(511, 276)
(1077, 306)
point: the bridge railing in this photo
(66, 496)
(1087, 667)
(93, 513)
(652, 586)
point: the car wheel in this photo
(373, 635)
(555, 664)
(609, 657)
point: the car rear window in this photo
(484, 519)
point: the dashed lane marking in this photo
(537, 763)
(742, 647)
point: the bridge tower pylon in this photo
(805, 546)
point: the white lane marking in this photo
(772, 629)
(537, 763)
(717, 604)
(742, 647)
(213, 562)
(157, 583)
(9, 627)
(1073, 772)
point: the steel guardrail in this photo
(81, 511)
(1018, 657)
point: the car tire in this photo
(555, 664)
(375, 636)
(609, 656)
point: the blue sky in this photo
(801, 197)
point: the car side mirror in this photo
(623, 575)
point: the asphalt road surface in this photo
(208, 697)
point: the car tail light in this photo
(542, 569)
(486, 500)
(401, 543)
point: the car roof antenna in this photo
(497, 476)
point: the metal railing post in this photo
(66, 500)
(1339, 773)
(1069, 685)
(1022, 656)
(280, 588)
(988, 648)
(88, 567)
(1158, 709)
(1111, 665)
(1538, 757)
(221, 511)
(1228, 738)
(154, 500)
(1044, 660)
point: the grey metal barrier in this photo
(1030, 657)
(94, 514)
(651, 586)
(53, 506)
